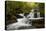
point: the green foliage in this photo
(20, 6)
(15, 7)
(42, 8)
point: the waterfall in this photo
(31, 14)
(25, 20)
(21, 22)
(38, 14)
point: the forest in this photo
(12, 8)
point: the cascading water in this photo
(21, 22)
(25, 20)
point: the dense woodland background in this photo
(13, 8)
